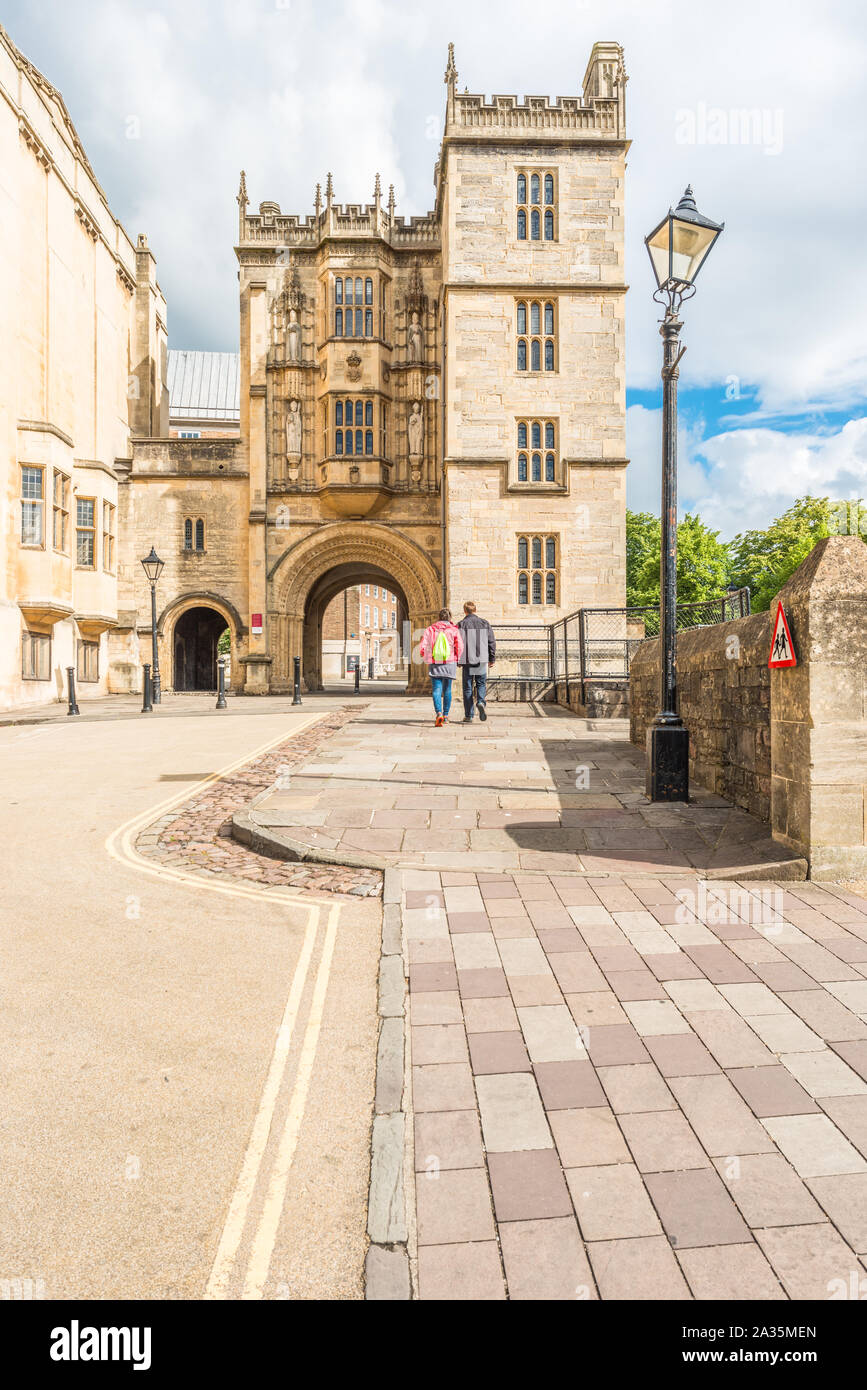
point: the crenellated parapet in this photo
(333, 221)
(599, 113)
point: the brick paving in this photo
(196, 836)
(637, 1088)
(532, 790)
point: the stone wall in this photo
(789, 745)
(725, 693)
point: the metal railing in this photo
(596, 643)
(523, 653)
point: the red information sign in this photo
(782, 646)
(256, 623)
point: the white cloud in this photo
(744, 478)
(289, 90)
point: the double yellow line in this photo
(121, 846)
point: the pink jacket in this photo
(455, 641)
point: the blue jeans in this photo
(481, 690)
(441, 687)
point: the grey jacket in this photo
(480, 644)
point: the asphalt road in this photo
(188, 1070)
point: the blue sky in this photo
(759, 106)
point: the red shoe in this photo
(439, 721)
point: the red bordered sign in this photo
(782, 646)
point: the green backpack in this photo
(441, 651)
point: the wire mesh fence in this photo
(596, 643)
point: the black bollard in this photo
(221, 684)
(296, 692)
(73, 703)
(358, 678)
(370, 669)
(147, 704)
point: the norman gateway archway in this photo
(417, 402)
(309, 574)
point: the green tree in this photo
(643, 533)
(764, 559)
(702, 560)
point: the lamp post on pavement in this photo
(678, 248)
(153, 567)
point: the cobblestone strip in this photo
(387, 1271)
(196, 836)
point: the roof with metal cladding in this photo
(204, 385)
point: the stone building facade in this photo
(85, 327)
(433, 405)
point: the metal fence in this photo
(523, 653)
(595, 643)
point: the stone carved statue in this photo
(416, 431)
(293, 337)
(293, 430)
(416, 340)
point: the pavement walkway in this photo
(618, 1078)
(532, 790)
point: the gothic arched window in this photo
(535, 356)
(368, 291)
(537, 583)
(537, 434)
(522, 468)
(529, 209)
(549, 356)
(188, 534)
(537, 468)
(550, 469)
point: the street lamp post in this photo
(678, 248)
(153, 567)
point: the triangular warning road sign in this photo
(782, 646)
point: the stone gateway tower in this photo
(434, 405)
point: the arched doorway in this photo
(314, 570)
(198, 636)
(356, 616)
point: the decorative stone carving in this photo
(416, 340)
(415, 430)
(353, 367)
(294, 432)
(293, 337)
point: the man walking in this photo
(480, 652)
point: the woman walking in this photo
(441, 647)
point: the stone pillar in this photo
(254, 348)
(819, 713)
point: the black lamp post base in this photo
(667, 763)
